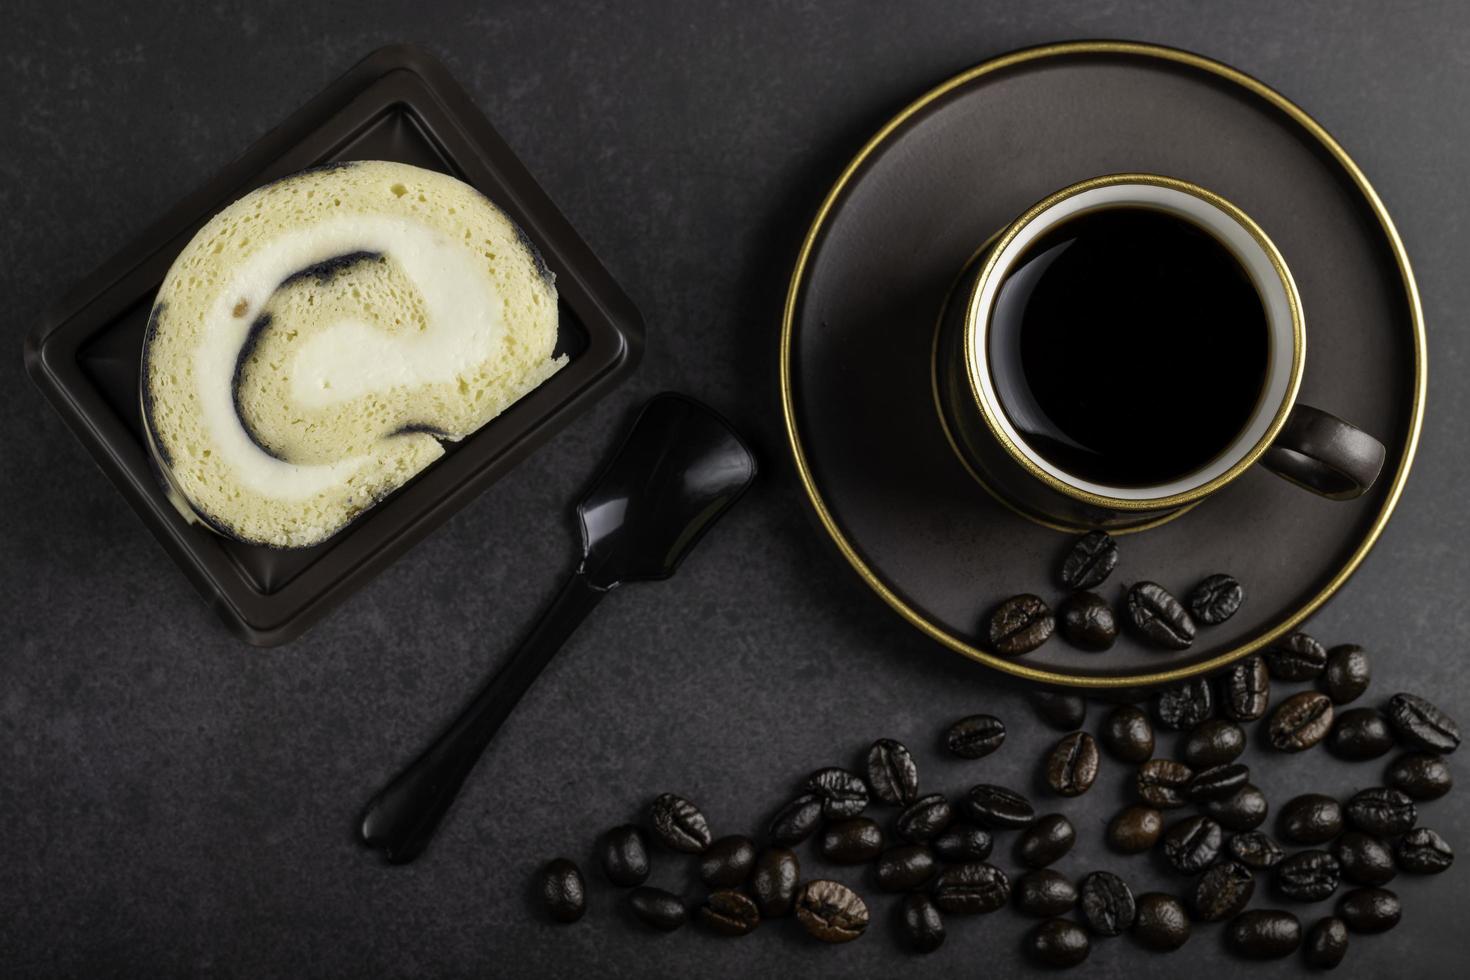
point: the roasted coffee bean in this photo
(796, 821)
(624, 856)
(1256, 850)
(998, 808)
(1360, 733)
(975, 737)
(1310, 819)
(1218, 782)
(1298, 657)
(1347, 673)
(925, 818)
(1216, 742)
(1421, 775)
(1135, 829)
(1128, 734)
(1264, 934)
(728, 861)
(843, 794)
(1327, 943)
(1421, 725)
(1158, 617)
(1071, 767)
(1107, 903)
(923, 925)
(1161, 783)
(892, 773)
(1184, 705)
(1064, 712)
(1089, 561)
(657, 908)
(729, 913)
(904, 868)
(1245, 690)
(1222, 891)
(562, 890)
(1044, 893)
(1161, 922)
(679, 824)
(1216, 599)
(773, 884)
(1364, 860)
(1246, 810)
(853, 841)
(1381, 811)
(1058, 942)
(1423, 852)
(1192, 844)
(972, 888)
(1046, 840)
(1307, 876)
(1087, 621)
(1300, 722)
(1020, 625)
(1369, 910)
(831, 912)
(961, 843)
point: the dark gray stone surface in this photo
(173, 802)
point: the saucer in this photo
(911, 209)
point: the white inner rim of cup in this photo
(1252, 256)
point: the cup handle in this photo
(1324, 454)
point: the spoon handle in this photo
(403, 816)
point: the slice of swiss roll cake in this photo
(317, 339)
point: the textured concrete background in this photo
(174, 802)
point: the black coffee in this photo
(1128, 346)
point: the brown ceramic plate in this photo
(397, 104)
(956, 166)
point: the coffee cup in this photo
(1126, 347)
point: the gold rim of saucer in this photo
(1193, 494)
(1298, 116)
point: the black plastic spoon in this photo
(680, 467)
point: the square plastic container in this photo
(397, 104)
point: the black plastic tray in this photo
(398, 104)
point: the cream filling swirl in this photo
(466, 321)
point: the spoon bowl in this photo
(680, 467)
